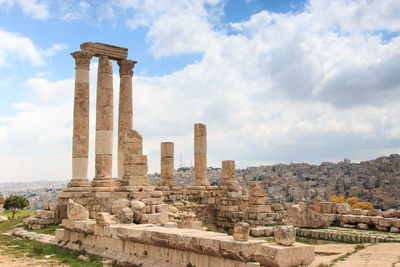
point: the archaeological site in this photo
(130, 222)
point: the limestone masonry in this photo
(130, 221)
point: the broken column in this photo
(257, 198)
(135, 163)
(200, 155)
(167, 164)
(228, 178)
(125, 107)
(103, 180)
(80, 142)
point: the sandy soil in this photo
(335, 250)
(383, 254)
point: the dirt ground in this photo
(379, 255)
(12, 261)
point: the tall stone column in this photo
(200, 155)
(104, 127)
(167, 164)
(125, 107)
(80, 142)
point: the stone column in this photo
(200, 155)
(167, 164)
(228, 178)
(104, 127)
(80, 141)
(125, 107)
(257, 198)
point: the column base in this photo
(167, 182)
(77, 186)
(103, 184)
(201, 182)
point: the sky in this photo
(274, 81)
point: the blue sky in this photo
(275, 81)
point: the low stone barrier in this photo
(42, 238)
(150, 245)
(343, 237)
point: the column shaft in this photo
(125, 113)
(104, 127)
(167, 164)
(80, 142)
(200, 155)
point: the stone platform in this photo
(150, 245)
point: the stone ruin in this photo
(130, 221)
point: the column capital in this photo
(126, 67)
(82, 59)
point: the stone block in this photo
(135, 159)
(256, 190)
(343, 208)
(167, 149)
(120, 204)
(276, 255)
(363, 226)
(59, 233)
(111, 51)
(192, 224)
(76, 211)
(385, 222)
(103, 219)
(394, 230)
(285, 235)
(241, 231)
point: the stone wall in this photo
(357, 218)
(224, 206)
(149, 245)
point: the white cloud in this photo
(14, 45)
(36, 9)
(54, 49)
(310, 86)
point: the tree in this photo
(15, 203)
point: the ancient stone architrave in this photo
(104, 127)
(228, 178)
(125, 107)
(111, 51)
(167, 164)
(80, 143)
(200, 155)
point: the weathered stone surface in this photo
(241, 231)
(138, 208)
(363, 226)
(256, 190)
(276, 207)
(76, 211)
(394, 229)
(301, 216)
(285, 235)
(111, 51)
(103, 219)
(120, 204)
(390, 213)
(343, 208)
(125, 215)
